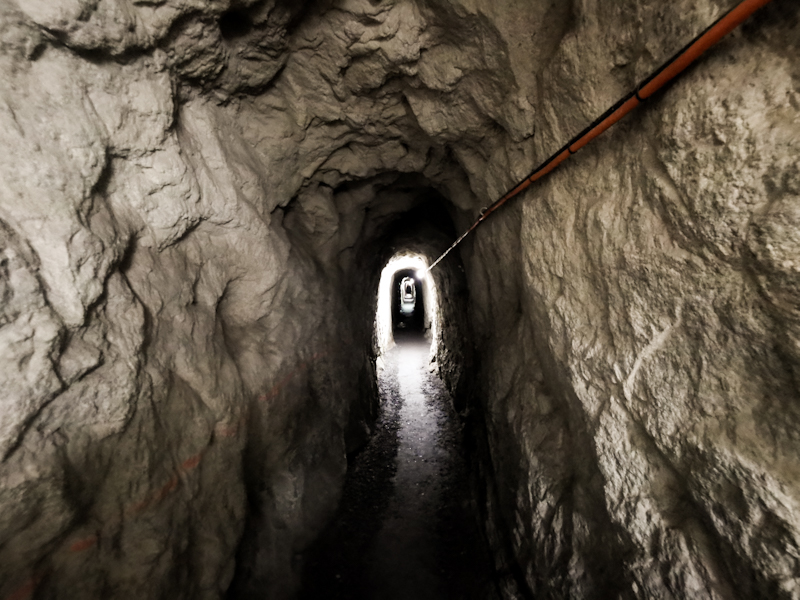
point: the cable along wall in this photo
(652, 84)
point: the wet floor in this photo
(406, 529)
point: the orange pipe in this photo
(524, 184)
(715, 33)
(552, 165)
(623, 110)
(724, 25)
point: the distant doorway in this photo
(408, 302)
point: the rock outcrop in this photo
(196, 201)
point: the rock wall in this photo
(190, 218)
(174, 363)
(639, 363)
(194, 212)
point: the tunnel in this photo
(256, 346)
(408, 302)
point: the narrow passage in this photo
(406, 528)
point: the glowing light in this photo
(383, 318)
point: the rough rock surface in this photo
(644, 428)
(196, 200)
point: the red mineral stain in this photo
(160, 494)
(276, 389)
(227, 430)
(135, 509)
(154, 498)
(191, 462)
(84, 544)
(169, 487)
(231, 429)
(25, 591)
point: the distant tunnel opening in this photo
(404, 249)
(408, 302)
(408, 525)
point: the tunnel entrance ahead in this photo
(390, 318)
(408, 302)
(407, 525)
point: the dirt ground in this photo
(407, 527)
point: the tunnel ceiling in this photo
(354, 90)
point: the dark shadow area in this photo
(234, 24)
(433, 211)
(407, 525)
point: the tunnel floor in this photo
(406, 528)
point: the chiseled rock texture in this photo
(197, 198)
(640, 332)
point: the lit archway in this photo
(383, 318)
